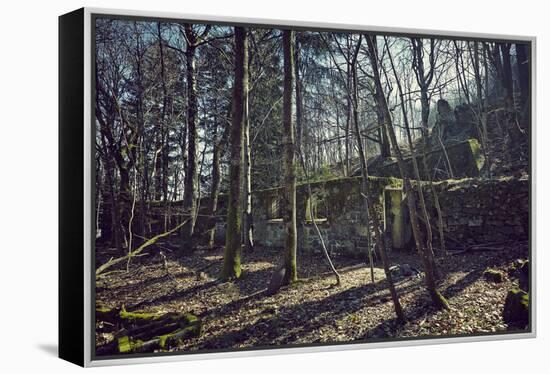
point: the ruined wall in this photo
(474, 211)
(338, 210)
(465, 158)
(483, 211)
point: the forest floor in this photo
(314, 310)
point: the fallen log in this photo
(146, 332)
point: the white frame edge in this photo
(88, 362)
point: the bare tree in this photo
(232, 255)
(438, 300)
(289, 206)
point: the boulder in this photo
(516, 309)
(445, 122)
(276, 280)
(520, 270)
(404, 270)
(523, 276)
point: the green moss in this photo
(127, 345)
(162, 340)
(439, 301)
(136, 317)
(516, 308)
(477, 153)
(493, 275)
(466, 159)
(525, 300)
(174, 338)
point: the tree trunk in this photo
(232, 255)
(369, 207)
(424, 81)
(191, 174)
(298, 93)
(289, 201)
(116, 232)
(248, 240)
(514, 131)
(523, 76)
(362, 154)
(507, 75)
(437, 299)
(385, 148)
(160, 136)
(215, 189)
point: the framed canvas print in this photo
(241, 186)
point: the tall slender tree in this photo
(438, 300)
(193, 40)
(289, 201)
(231, 268)
(248, 240)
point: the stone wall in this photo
(465, 158)
(474, 211)
(482, 211)
(338, 208)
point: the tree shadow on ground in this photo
(250, 284)
(286, 323)
(290, 322)
(139, 285)
(172, 296)
(423, 307)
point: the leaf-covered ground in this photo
(237, 314)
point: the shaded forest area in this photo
(260, 187)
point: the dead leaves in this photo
(237, 314)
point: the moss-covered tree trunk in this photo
(438, 300)
(232, 255)
(289, 201)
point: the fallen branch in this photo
(149, 242)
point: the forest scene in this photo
(263, 187)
